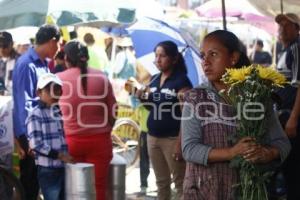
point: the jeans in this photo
(52, 182)
(144, 160)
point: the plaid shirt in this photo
(46, 135)
(203, 180)
(203, 131)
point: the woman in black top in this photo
(162, 97)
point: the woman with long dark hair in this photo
(87, 105)
(162, 98)
(209, 124)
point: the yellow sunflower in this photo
(268, 73)
(238, 75)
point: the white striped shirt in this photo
(289, 63)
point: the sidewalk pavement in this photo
(133, 186)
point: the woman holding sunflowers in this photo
(209, 121)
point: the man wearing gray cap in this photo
(289, 65)
(29, 67)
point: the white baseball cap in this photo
(47, 78)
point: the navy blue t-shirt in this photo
(262, 57)
(165, 112)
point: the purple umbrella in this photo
(234, 8)
(241, 9)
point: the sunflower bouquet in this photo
(250, 90)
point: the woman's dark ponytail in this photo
(82, 64)
(77, 56)
(242, 61)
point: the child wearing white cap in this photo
(46, 137)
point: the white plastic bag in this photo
(6, 125)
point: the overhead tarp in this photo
(273, 7)
(16, 13)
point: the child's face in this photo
(50, 94)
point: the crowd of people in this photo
(66, 114)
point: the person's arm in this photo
(24, 89)
(193, 149)
(37, 143)
(278, 138)
(226, 154)
(119, 141)
(192, 142)
(111, 104)
(19, 149)
(277, 147)
(180, 95)
(120, 62)
(35, 137)
(178, 152)
(262, 154)
(292, 123)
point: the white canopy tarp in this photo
(273, 7)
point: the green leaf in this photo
(235, 162)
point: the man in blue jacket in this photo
(29, 67)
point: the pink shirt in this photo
(86, 114)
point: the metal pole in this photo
(224, 15)
(281, 6)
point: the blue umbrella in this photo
(146, 33)
(118, 31)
